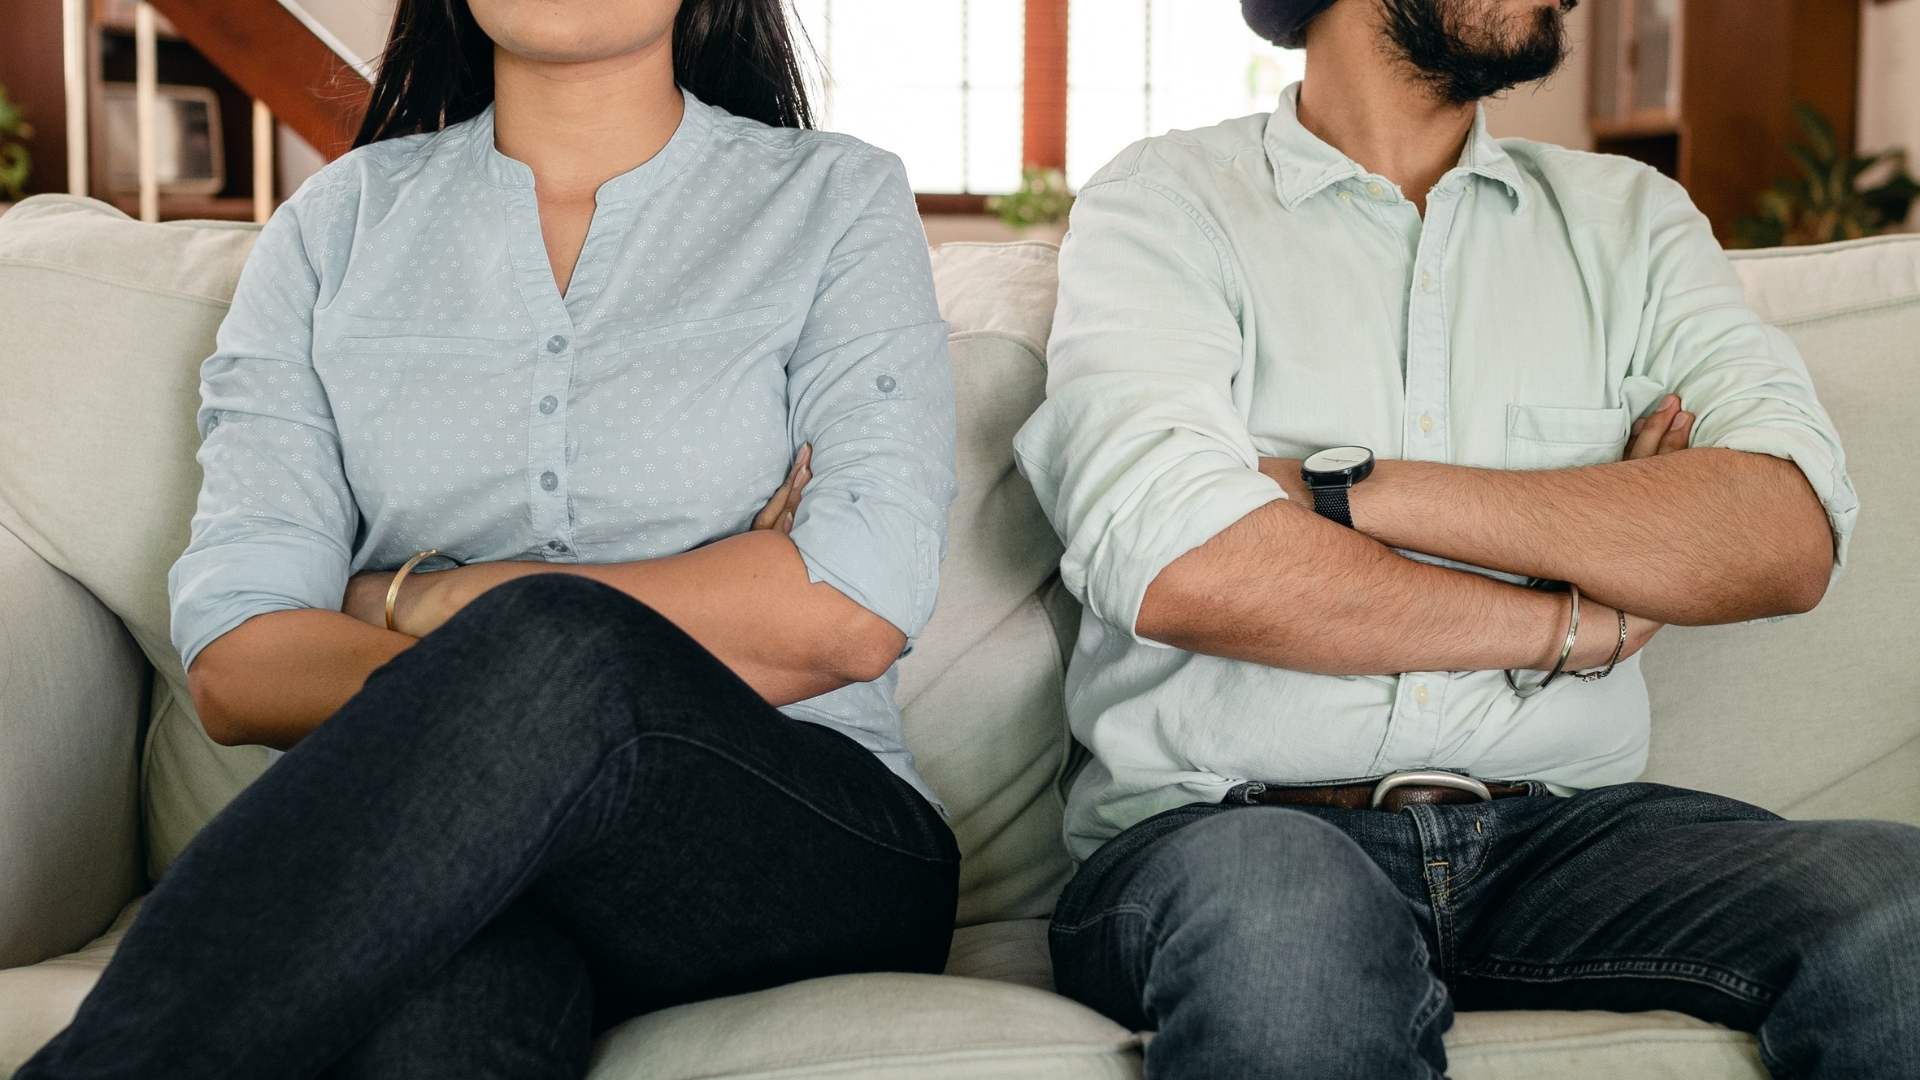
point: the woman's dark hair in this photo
(740, 55)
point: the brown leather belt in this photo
(1362, 796)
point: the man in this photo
(1554, 364)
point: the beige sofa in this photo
(104, 773)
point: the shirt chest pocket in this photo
(1552, 437)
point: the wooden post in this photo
(74, 32)
(1044, 135)
(262, 161)
(144, 91)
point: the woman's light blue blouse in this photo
(400, 371)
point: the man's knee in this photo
(1863, 873)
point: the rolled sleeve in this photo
(1744, 381)
(870, 386)
(1140, 452)
(275, 519)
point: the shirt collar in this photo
(1304, 165)
(688, 140)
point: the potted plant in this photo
(15, 163)
(1827, 202)
(1038, 210)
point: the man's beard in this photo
(1466, 50)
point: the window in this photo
(1144, 67)
(943, 83)
(938, 82)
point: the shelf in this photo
(1645, 124)
(175, 207)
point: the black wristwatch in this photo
(1330, 473)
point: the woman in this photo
(565, 314)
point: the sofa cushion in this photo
(991, 1016)
(107, 321)
(983, 692)
(1782, 713)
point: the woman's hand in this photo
(778, 513)
(1665, 430)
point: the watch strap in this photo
(1331, 503)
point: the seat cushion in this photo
(1597, 1046)
(992, 1015)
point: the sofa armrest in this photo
(71, 690)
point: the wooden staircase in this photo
(274, 56)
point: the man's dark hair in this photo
(1283, 22)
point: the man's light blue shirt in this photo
(1247, 290)
(400, 371)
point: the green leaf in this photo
(1819, 132)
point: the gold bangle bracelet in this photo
(393, 589)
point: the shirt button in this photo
(1426, 423)
(1376, 190)
(556, 343)
(885, 383)
(1426, 281)
(548, 480)
(1420, 694)
(555, 545)
(549, 403)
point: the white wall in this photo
(357, 29)
(1890, 80)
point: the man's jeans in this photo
(552, 813)
(1262, 940)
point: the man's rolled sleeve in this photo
(870, 386)
(275, 519)
(1743, 380)
(1140, 453)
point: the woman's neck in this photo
(579, 124)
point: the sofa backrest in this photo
(107, 321)
(1819, 715)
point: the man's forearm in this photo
(1693, 537)
(1287, 588)
(747, 599)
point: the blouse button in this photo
(556, 343)
(548, 481)
(549, 403)
(885, 383)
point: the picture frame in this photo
(190, 155)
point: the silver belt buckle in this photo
(1429, 778)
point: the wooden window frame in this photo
(1043, 138)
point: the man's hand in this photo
(778, 513)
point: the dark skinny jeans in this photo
(553, 813)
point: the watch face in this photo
(1338, 459)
